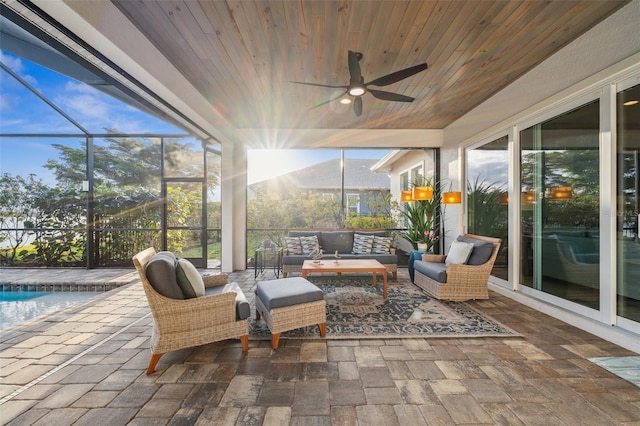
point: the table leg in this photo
(374, 280)
(304, 274)
(384, 284)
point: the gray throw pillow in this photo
(161, 273)
(482, 250)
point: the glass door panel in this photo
(184, 220)
(487, 201)
(560, 206)
(628, 285)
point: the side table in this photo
(413, 256)
(268, 258)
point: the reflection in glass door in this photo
(560, 226)
(628, 289)
(487, 201)
(184, 219)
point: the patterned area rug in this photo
(355, 309)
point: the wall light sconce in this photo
(528, 197)
(559, 193)
(422, 193)
(406, 196)
(454, 197)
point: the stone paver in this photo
(86, 366)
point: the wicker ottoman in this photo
(290, 303)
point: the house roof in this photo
(326, 176)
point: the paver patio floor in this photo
(86, 365)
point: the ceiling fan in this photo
(357, 87)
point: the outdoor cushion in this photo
(459, 252)
(342, 241)
(382, 258)
(287, 292)
(306, 234)
(482, 250)
(309, 244)
(362, 244)
(293, 245)
(161, 273)
(381, 245)
(243, 310)
(189, 279)
(435, 271)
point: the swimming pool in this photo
(19, 306)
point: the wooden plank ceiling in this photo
(242, 55)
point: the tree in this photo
(60, 225)
(487, 216)
(17, 215)
(131, 161)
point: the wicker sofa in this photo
(182, 321)
(459, 282)
(341, 241)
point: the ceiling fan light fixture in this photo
(345, 101)
(356, 90)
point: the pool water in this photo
(19, 306)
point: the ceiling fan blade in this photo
(397, 76)
(390, 96)
(357, 106)
(354, 67)
(326, 102)
(319, 85)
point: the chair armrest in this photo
(197, 313)
(468, 269)
(435, 258)
(215, 280)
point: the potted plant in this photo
(421, 216)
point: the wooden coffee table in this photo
(348, 265)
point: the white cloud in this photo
(14, 63)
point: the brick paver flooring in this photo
(86, 366)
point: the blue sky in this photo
(23, 112)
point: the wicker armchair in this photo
(180, 324)
(464, 282)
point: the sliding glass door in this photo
(560, 206)
(628, 148)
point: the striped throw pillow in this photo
(309, 244)
(293, 245)
(381, 245)
(362, 244)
